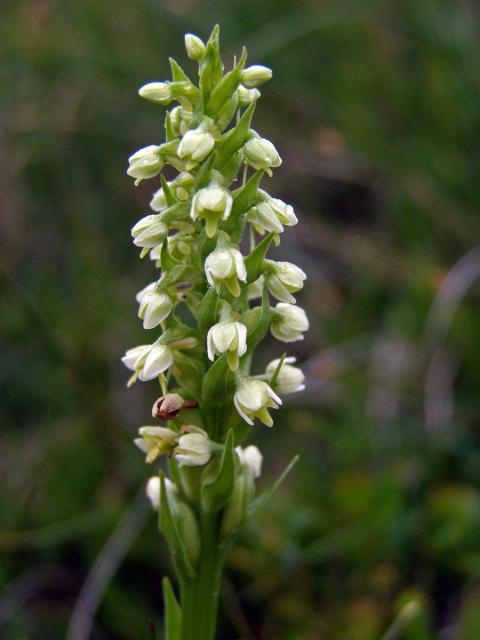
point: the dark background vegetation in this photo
(374, 108)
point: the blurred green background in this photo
(374, 107)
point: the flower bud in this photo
(255, 75)
(195, 46)
(260, 153)
(213, 204)
(247, 96)
(168, 407)
(153, 489)
(156, 441)
(159, 359)
(180, 120)
(251, 458)
(283, 279)
(196, 144)
(154, 309)
(194, 447)
(149, 231)
(158, 92)
(236, 508)
(289, 379)
(226, 266)
(270, 215)
(229, 338)
(252, 400)
(289, 322)
(145, 163)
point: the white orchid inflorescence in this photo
(210, 306)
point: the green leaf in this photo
(264, 497)
(207, 311)
(169, 197)
(216, 382)
(166, 260)
(217, 490)
(173, 613)
(254, 262)
(204, 172)
(225, 88)
(246, 196)
(226, 113)
(174, 471)
(235, 138)
(178, 74)
(262, 323)
(211, 67)
(170, 134)
(189, 371)
(169, 529)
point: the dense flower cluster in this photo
(211, 304)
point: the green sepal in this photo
(178, 74)
(173, 613)
(189, 371)
(260, 321)
(169, 529)
(207, 311)
(169, 148)
(218, 478)
(166, 260)
(174, 471)
(204, 172)
(225, 88)
(169, 132)
(210, 65)
(216, 382)
(169, 197)
(236, 137)
(254, 261)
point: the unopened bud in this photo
(195, 46)
(260, 153)
(289, 379)
(255, 75)
(158, 92)
(168, 407)
(289, 322)
(145, 163)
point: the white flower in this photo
(134, 358)
(260, 153)
(255, 75)
(196, 144)
(195, 46)
(213, 204)
(158, 92)
(271, 214)
(251, 458)
(156, 441)
(180, 119)
(159, 359)
(154, 309)
(253, 398)
(145, 163)
(246, 96)
(229, 338)
(289, 379)
(289, 322)
(153, 489)
(194, 448)
(226, 266)
(149, 232)
(283, 279)
(158, 201)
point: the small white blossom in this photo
(195, 46)
(135, 357)
(154, 488)
(270, 215)
(255, 75)
(260, 153)
(229, 338)
(283, 279)
(145, 163)
(226, 266)
(149, 231)
(255, 289)
(180, 119)
(196, 144)
(156, 441)
(213, 204)
(289, 379)
(247, 96)
(194, 448)
(154, 309)
(251, 458)
(289, 323)
(252, 400)
(159, 359)
(158, 92)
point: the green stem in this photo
(199, 595)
